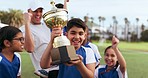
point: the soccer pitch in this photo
(136, 59)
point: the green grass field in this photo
(135, 54)
(27, 67)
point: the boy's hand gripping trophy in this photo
(62, 51)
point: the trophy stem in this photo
(61, 41)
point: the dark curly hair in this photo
(7, 33)
(76, 22)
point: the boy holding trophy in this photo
(84, 66)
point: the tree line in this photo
(14, 17)
(131, 32)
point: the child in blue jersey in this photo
(11, 41)
(84, 67)
(89, 44)
(115, 63)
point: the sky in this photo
(131, 9)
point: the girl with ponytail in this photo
(115, 63)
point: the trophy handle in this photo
(52, 2)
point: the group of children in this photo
(12, 40)
(37, 39)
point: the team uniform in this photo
(41, 35)
(100, 72)
(10, 69)
(72, 71)
(95, 50)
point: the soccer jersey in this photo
(95, 50)
(72, 71)
(9, 69)
(100, 72)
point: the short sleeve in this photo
(18, 55)
(90, 57)
(120, 73)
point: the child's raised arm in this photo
(46, 57)
(120, 58)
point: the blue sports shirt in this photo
(9, 69)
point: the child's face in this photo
(18, 43)
(76, 36)
(110, 57)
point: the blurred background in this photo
(127, 19)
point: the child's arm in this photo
(88, 70)
(46, 57)
(121, 59)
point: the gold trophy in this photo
(62, 50)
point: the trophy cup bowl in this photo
(62, 50)
(55, 18)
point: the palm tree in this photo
(142, 27)
(4, 16)
(100, 19)
(86, 19)
(12, 17)
(147, 20)
(126, 28)
(137, 20)
(115, 22)
(103, 19)
(92, 21)
(16, 18)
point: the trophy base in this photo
(63, 54)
